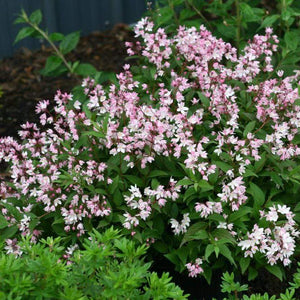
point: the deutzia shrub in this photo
(194, 151)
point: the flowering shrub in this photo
(193, 151)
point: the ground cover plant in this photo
(235, 289)
(109, 267)
(194, 151)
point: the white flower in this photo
(77, 104)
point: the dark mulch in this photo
(23, 87)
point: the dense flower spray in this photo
(173, 145)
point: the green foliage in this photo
(109, 267)
(229, 286)
(233, 289)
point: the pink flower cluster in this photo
(52, 158)
(181, 227)
(234, 193)
(195, 269)
(277, 241)
(151, 198)
(12, 247)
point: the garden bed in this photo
(23, 87)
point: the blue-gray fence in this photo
(65, 16)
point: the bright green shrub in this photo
(109, 267)
(234, 289)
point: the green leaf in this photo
(208, 251)
(100, 191)
(224, 250)
(58, 71)
(105, 122)
(159, 224)
(190, 192)
(186, 14)
(249, 173)
(58, 227)
(217, 250)
(208, 274)
(250, 14)
(158, 173)
(228, 31)
(113, 186)
(252, 273)
(275, 270)
(23, 33)
(19, 20)
(243, 210)
(85, 70)
(160, 247)
(257, 194)
(249, 127)
(295, 171)
(216, 217)
(56, 36)
(224, 234)
(297, 218)
(269, 21)
(11, 207)
(52, 63)
(36, 17)
(297, 207)
(205, 101)
(184, 181)
(205, 186)
(74, 66)
(258, 165)
(195, 232)
(8, 232)
(174, 210)
(154, 183)
(135, 180)
(102, 77)
(173, 257)
(244, 263)
(291, 39)
(166, 15)
(182, 254)
(87, 224)
(276, 178)
(286, 14)
(3, 222)
(223, 166)
(69, 42)
(118, 198)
